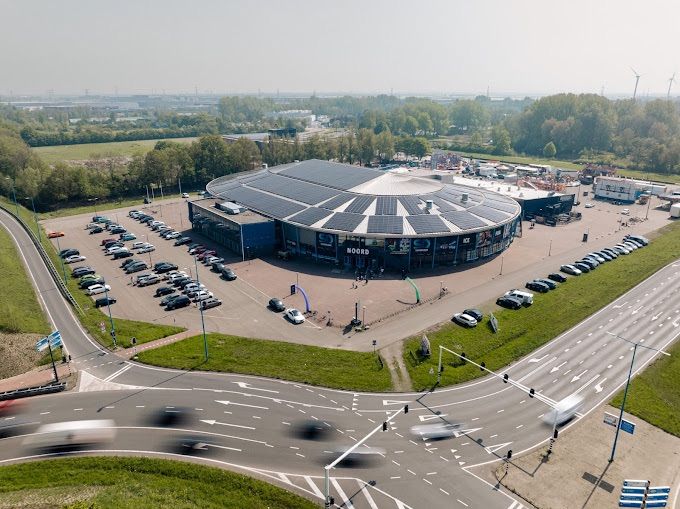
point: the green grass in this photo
(92, 317)
(645, 175)
(339, 369)
(121, 483)
(524, 330)
(86, 151)
(19, 307)
(101, 206)
(653, 394)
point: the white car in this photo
(185, 195)
(92, 226)
(177, 276)
(632, 246)
(294, 315)
(173, 273)
(570, 269)
(625, 212)
(622, 249)
(116, 249)
(203, 295)
(96, 289)
(598, 257)
(436, 431)
(74, 259)
(589, 205)
(465, 320)
(138, 245)
(193, 287)
(173, 235)
(147, 249)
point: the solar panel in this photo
(410, 203)
(359, 204)
(386, 224)
(294, 189)
(264, 203)
(310, 216)
(336, 175)
(336, 201)
(489, 213)
(464, 220)
(386, 206)
(505, 207)
(344, 221)
(427, 224)
(444, 206)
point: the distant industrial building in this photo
(625, 190)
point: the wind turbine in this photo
(637, 80)
(670, 83)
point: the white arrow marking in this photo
(538, 360)
(242, 404)
(676, 323)
(620, 305)
(224, 447)
(394, 402)
(657, 316)
(275, 400)
(424, 418)
(578, 377)
(462, 432)
(557, 367)
(212, 422)
(636, 310)
(493, 448)
(245, 385)
(461, 463)
(587, 383)
(598, 387)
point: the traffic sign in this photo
(55, 339)
(611, 420)
(660, 489)
(41, 344)
(494, 322)
(627, 426)
(642, 483)
(102, 326)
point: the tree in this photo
(501, 140)
(366, 145)
(244, 155)
(410, 126)
(550, 150)
(211, 158)
(384, 144)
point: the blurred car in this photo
(104, 301)
(311, 430)
(625, 212)
(276, 305)
(73, 435)
(74, 259)
(589, 205)
(228, 274)
(147, 249)
(98, 229)
(570, 269)
(185, 195)
(474, 313)
(54, 235)
(436, 431)
(295, 316)
(98, 288)
(464, 320)
(509, 302)
(164, 290)
(564, 410)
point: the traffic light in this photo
(505, 378)
(555, 434)
(509, 453)
(531, 393)
(405, 409)
(384, 425)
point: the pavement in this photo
(42, 375)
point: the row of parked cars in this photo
(89, 281)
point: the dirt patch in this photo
(48, 498)
(18, 354)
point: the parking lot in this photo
(387, 303)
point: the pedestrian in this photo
(382, 269)
(365, 281)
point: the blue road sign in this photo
(631, 496)
(631, 489)
(630, 503)
(655, 503)
(660, 489)
(657, 496)
(41, 344)
(640, 483)
(55, 339)
(627, 426)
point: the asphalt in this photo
(249, 419)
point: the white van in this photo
(564, 410)
(526, 297)
(72, 434)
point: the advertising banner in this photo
(325, 244)
(398, 246)
(422, 247)
(447, 245)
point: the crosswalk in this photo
(515, 505)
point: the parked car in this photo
(136, 267)
(589, 205)
(84, 285)
(172, 235)
(116, 249)
(537, 286)
(100, 219)
(633, 241)
(590, 262)
(74, 259)
(96, 230)
(584, 268)
(115, 243)
(107, 240)
(118, 230)
(639, 238)
(192, 287)
(509, 302)
(625, 212)
(82, 271)
(65, 253)
(99, 288)
(204, 254)
(185, 195)
(122, 254)
(550, 284)
(147, 249)
(151, 279)
(606, 256)
(133, 213)
(526, 298)
(182, 282)
(213, 260)
(182, 241)
(621, 249)
(91, 226)
(210, 303)
(167, 267)
(630, 245)
(295, 316)
(276, 305)
(164, 290)
(464, 320)
(168, 298)
(228, 274)
(128, 262)
(197, 250)
(201, 295)
(474, 313)
(570, 269)
(128, 236)
(611, 252)
(180, 302)
(110, 226)
(176, 276)
(104, 301)
(54, 235)
(217, 267)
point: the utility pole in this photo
(113, 327)
(200, 308)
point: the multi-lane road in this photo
(249, 423)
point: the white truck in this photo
(526, 297)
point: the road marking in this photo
(347, 503)
(225, 447)
(410, 471)
(635, 311)
(578, 377)
(364, 489)
(44, 413)
(313, 486)
(424, 418)
(395, 477)
(242, 404)
(501, 410)
(212, 422)
(396, 463)
(520, 426)
(77, 409)
(442, 457)
(536, 369)
(538, 360)
(394, 402)
(428, 482)
(598, 387)
(587, 384)
(245, 385)
(459, 500)
(493, 448)
(610, 366)
(444, 492)
(117, 373)
(656, 316)
(555, 368)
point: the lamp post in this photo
(113, 327)
(63, 269)
(649, 202)
(94, 204)
(550, 248)
(14, 194)
(200, 308)
(625, 392)
(35, 216)
(363, 317)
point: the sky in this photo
(458, 47)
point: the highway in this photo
(248, 423)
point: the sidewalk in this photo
(128, 353)
(38, 376)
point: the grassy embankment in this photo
(523, 331)
(339, 369)
(120, 483)
(103, 205)
(93, 317)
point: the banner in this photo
(422, 247)
(398, 246)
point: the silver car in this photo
(436, 431)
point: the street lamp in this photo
(625, 392)
(63, 269)
(94, 204)
(108, 305)
(14, 194)
(200, 308)
(35, 216)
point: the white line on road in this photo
(347, 502)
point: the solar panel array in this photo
(464, 220)
(338, 200)
(265, 203)
(386, 224)
(310, 216)
(505, 207)
(386, 206)
(410, 203)
(294, 189)
(344, 221)
(489, 213)
(338, 176)
(427, 224)
(359, 204)
(444, 206)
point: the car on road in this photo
(96, 230)
(185, 195)
(295, 316)
(99, 288)
(549, 283)
(180, 302)
(74, 259)
(464, 320)
(104, 301)
(147, 249)
(537, 286)
(54, 235)
(64, 253)
(127, 236)
(210, 303)
(563, 410)
(276, 305)
(182, 241)
(164, 290)
(589, 205)
(509, 302)
(570, 269)
(151, 279)
(436, 431)
(82, 271)
(228, 274)
(474, 313)
(556, 276)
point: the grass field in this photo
(101, 206)
(93, 317)
(327, 367)
(86, 151)
(122, 483)
(644, 175)
(653, 394)
(567, 165)
(524, 330)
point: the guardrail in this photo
(33, 391)
(48, 261)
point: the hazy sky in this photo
(371, 46)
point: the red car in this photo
(54, 235)
(107, 240)
(205, 254)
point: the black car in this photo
(182, 240)
(228, 274)
(82, 271)
(118, 229)
(128, 262)
(537, 286)
(164, 267)
(550, 284)
(165, 300)
(509, 302)
(217, 267)
(86, 284)
(583, 267)
(164, 290)
(146, 219)
(68, 252)
(112, 243)
(181, 283)
(210, 303)
(474, 313)
(592, 264)
(98, 229)
(180, 302)
(557, 277)
(122, 254)
(276, 305)
(136, 267)
(104, 301)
